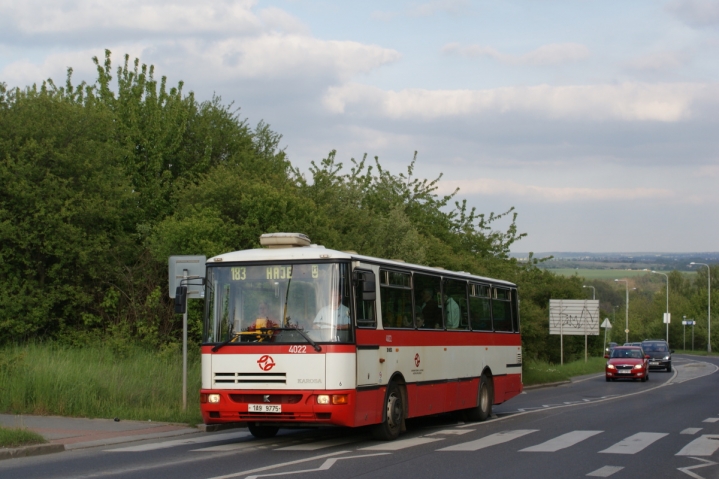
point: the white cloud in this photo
(159, 16)
(658, 62)
(486, 186)
(699, 13)
(625, 102)
(547, 55)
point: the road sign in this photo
(667, 318)
(626, 331)
(606, 324)
(689, 323)
(192, 267)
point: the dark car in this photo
(627, 362)
(611, 346)
(660, 356)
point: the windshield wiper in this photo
(317, 347)
(227, 341)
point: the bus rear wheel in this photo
(262, 432)
(486, 398)
(390, 428)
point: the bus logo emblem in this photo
(416, 360)
(266, 362)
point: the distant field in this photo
(598, 273)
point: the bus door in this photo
(368, 366)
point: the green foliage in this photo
(103, 380)
(16, 437)
(100, 183)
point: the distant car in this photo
(633, 344)
(660, 356)
(627, 362)
(611, 346)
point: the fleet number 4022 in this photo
(298, 349)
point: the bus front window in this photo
(268, 303)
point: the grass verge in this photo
(95, 382)
(13, 437)
(539, 372)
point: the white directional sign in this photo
(574, 317)
(606, 324)
(667, 318)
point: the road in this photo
(667, 427)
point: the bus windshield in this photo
(248, 304)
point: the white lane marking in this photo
(711, 419)
(705, 445)
(605, 471)
(562, 442)
(313, 446)
(325, 466)
(181, 442)
(456, 432)
(281, 464)
(634, 444)
(403, 444)
(691, 430)
(687, 470)
(491, 440)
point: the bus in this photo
(299, 335)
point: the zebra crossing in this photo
(704, 445)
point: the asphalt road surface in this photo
(667, 427)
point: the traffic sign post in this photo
(686, 323)
(606, 325)
(181, 271)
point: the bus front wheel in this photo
(390, 428)
(486, 398)
(262, 432)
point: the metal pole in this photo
(626, 329)
(585, 324)
(709, 305)
(184, 351)
(684, 325)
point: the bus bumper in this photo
(296, 407)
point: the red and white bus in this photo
(298, 335)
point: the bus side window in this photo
(396, 299)
(454, 304)
(480, 311)
(365, 311)
(502, 310)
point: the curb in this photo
(27, 451)
(546, 385)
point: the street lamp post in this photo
(585, 326)
(666, 276)
(594, 290)
(626, 329)
(709, 304)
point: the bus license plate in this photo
(271, 408)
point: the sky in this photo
(596, 120)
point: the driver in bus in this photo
(325, 319)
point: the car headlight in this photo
(638, 366)
(666, 358)
(610, 366)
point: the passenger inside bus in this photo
(430, 314)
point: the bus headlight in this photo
(323, 399)
(213, 398)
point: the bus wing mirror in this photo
(181, 300)
(369, 292)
